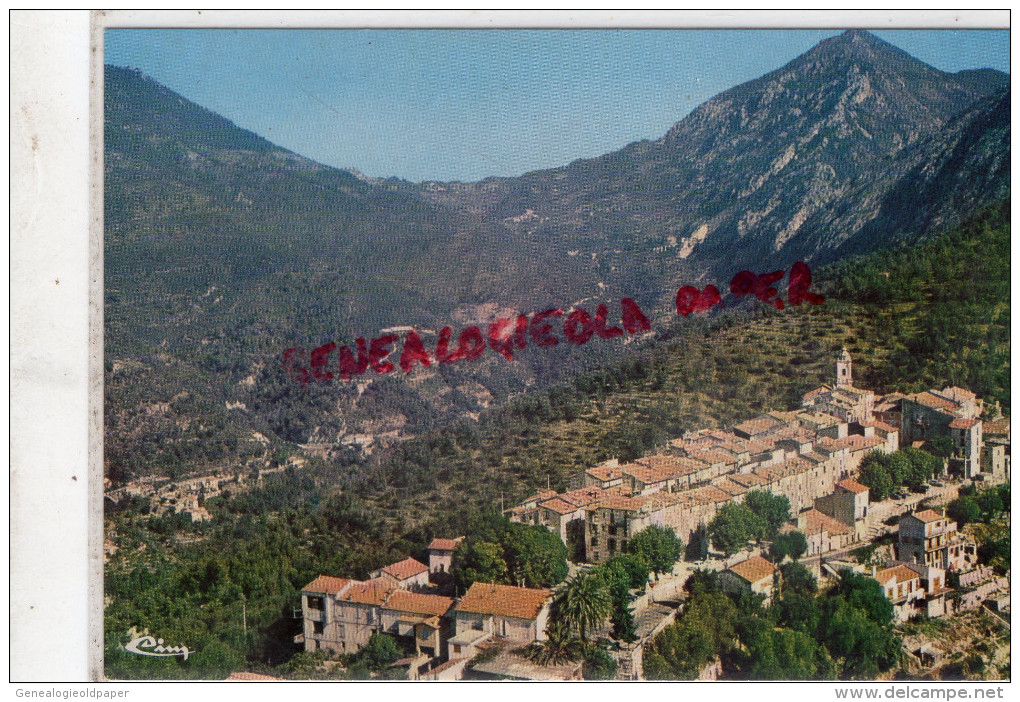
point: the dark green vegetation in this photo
(758, 517)
(988, 511)
(497, 551)
(658, 547)
(346, 518)
(844, 633)
(580, 609)
(883, 473)
(792, 544)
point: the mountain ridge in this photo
(222, 249)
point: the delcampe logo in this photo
(149, 646)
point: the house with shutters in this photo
(932, 539)
(340, 615)
(902, 587)
(492, 611)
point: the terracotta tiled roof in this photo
(811, 394)
(326, 584)
(753, 569)
(538, 496)
(582, 496)
(928, 515)
(373, 592)
(604, 473)
(715, 494)
(445, 666)
(729, 486)
(748, 479)
(900, 572)
(621, 502)
(559, 506)
(854, 442)
(713, 456)
(417, 603)
(934, 401)
(819, 419)
(816, 522)
(957, 394)
(997, 427)
(407, 568)
(963, 423)
(644, 474)
(244, 675)
(444, 544)
(758, 425)
(503, 600)
(852, 486)
(672, 466)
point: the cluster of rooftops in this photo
(392, 590)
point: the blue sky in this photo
(466, 104)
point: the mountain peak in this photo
(861, 46)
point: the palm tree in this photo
(582, 604)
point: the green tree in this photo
(774, 510)
(702, 581)
(534, 556)
(598, 664)
(734, 526)
(799, 611)
(875, 474)
(792, 544)
(797, 578)
(379, 652)
(964, 510)
(478, 560)
(990, 503)
(678, 652)
(582, 604)
(659, 547)
(635, 568)
(942, 446)
(784, 654)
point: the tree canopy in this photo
(734, 526)
(657, 546)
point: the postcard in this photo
(532, 354)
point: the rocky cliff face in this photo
(754, 173)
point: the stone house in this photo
(951, 412)
(902, 587)
(822, 532)
(489, 610)
(931, 539)
(605, 475)
(340, 615)
(755, 574)
(441, 554)
(848, 503)
(408, 574)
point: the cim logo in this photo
(149, 646)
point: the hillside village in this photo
(811, 456)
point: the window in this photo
(316, 627)
(612, 545)
(456, 648)
(315, 603)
